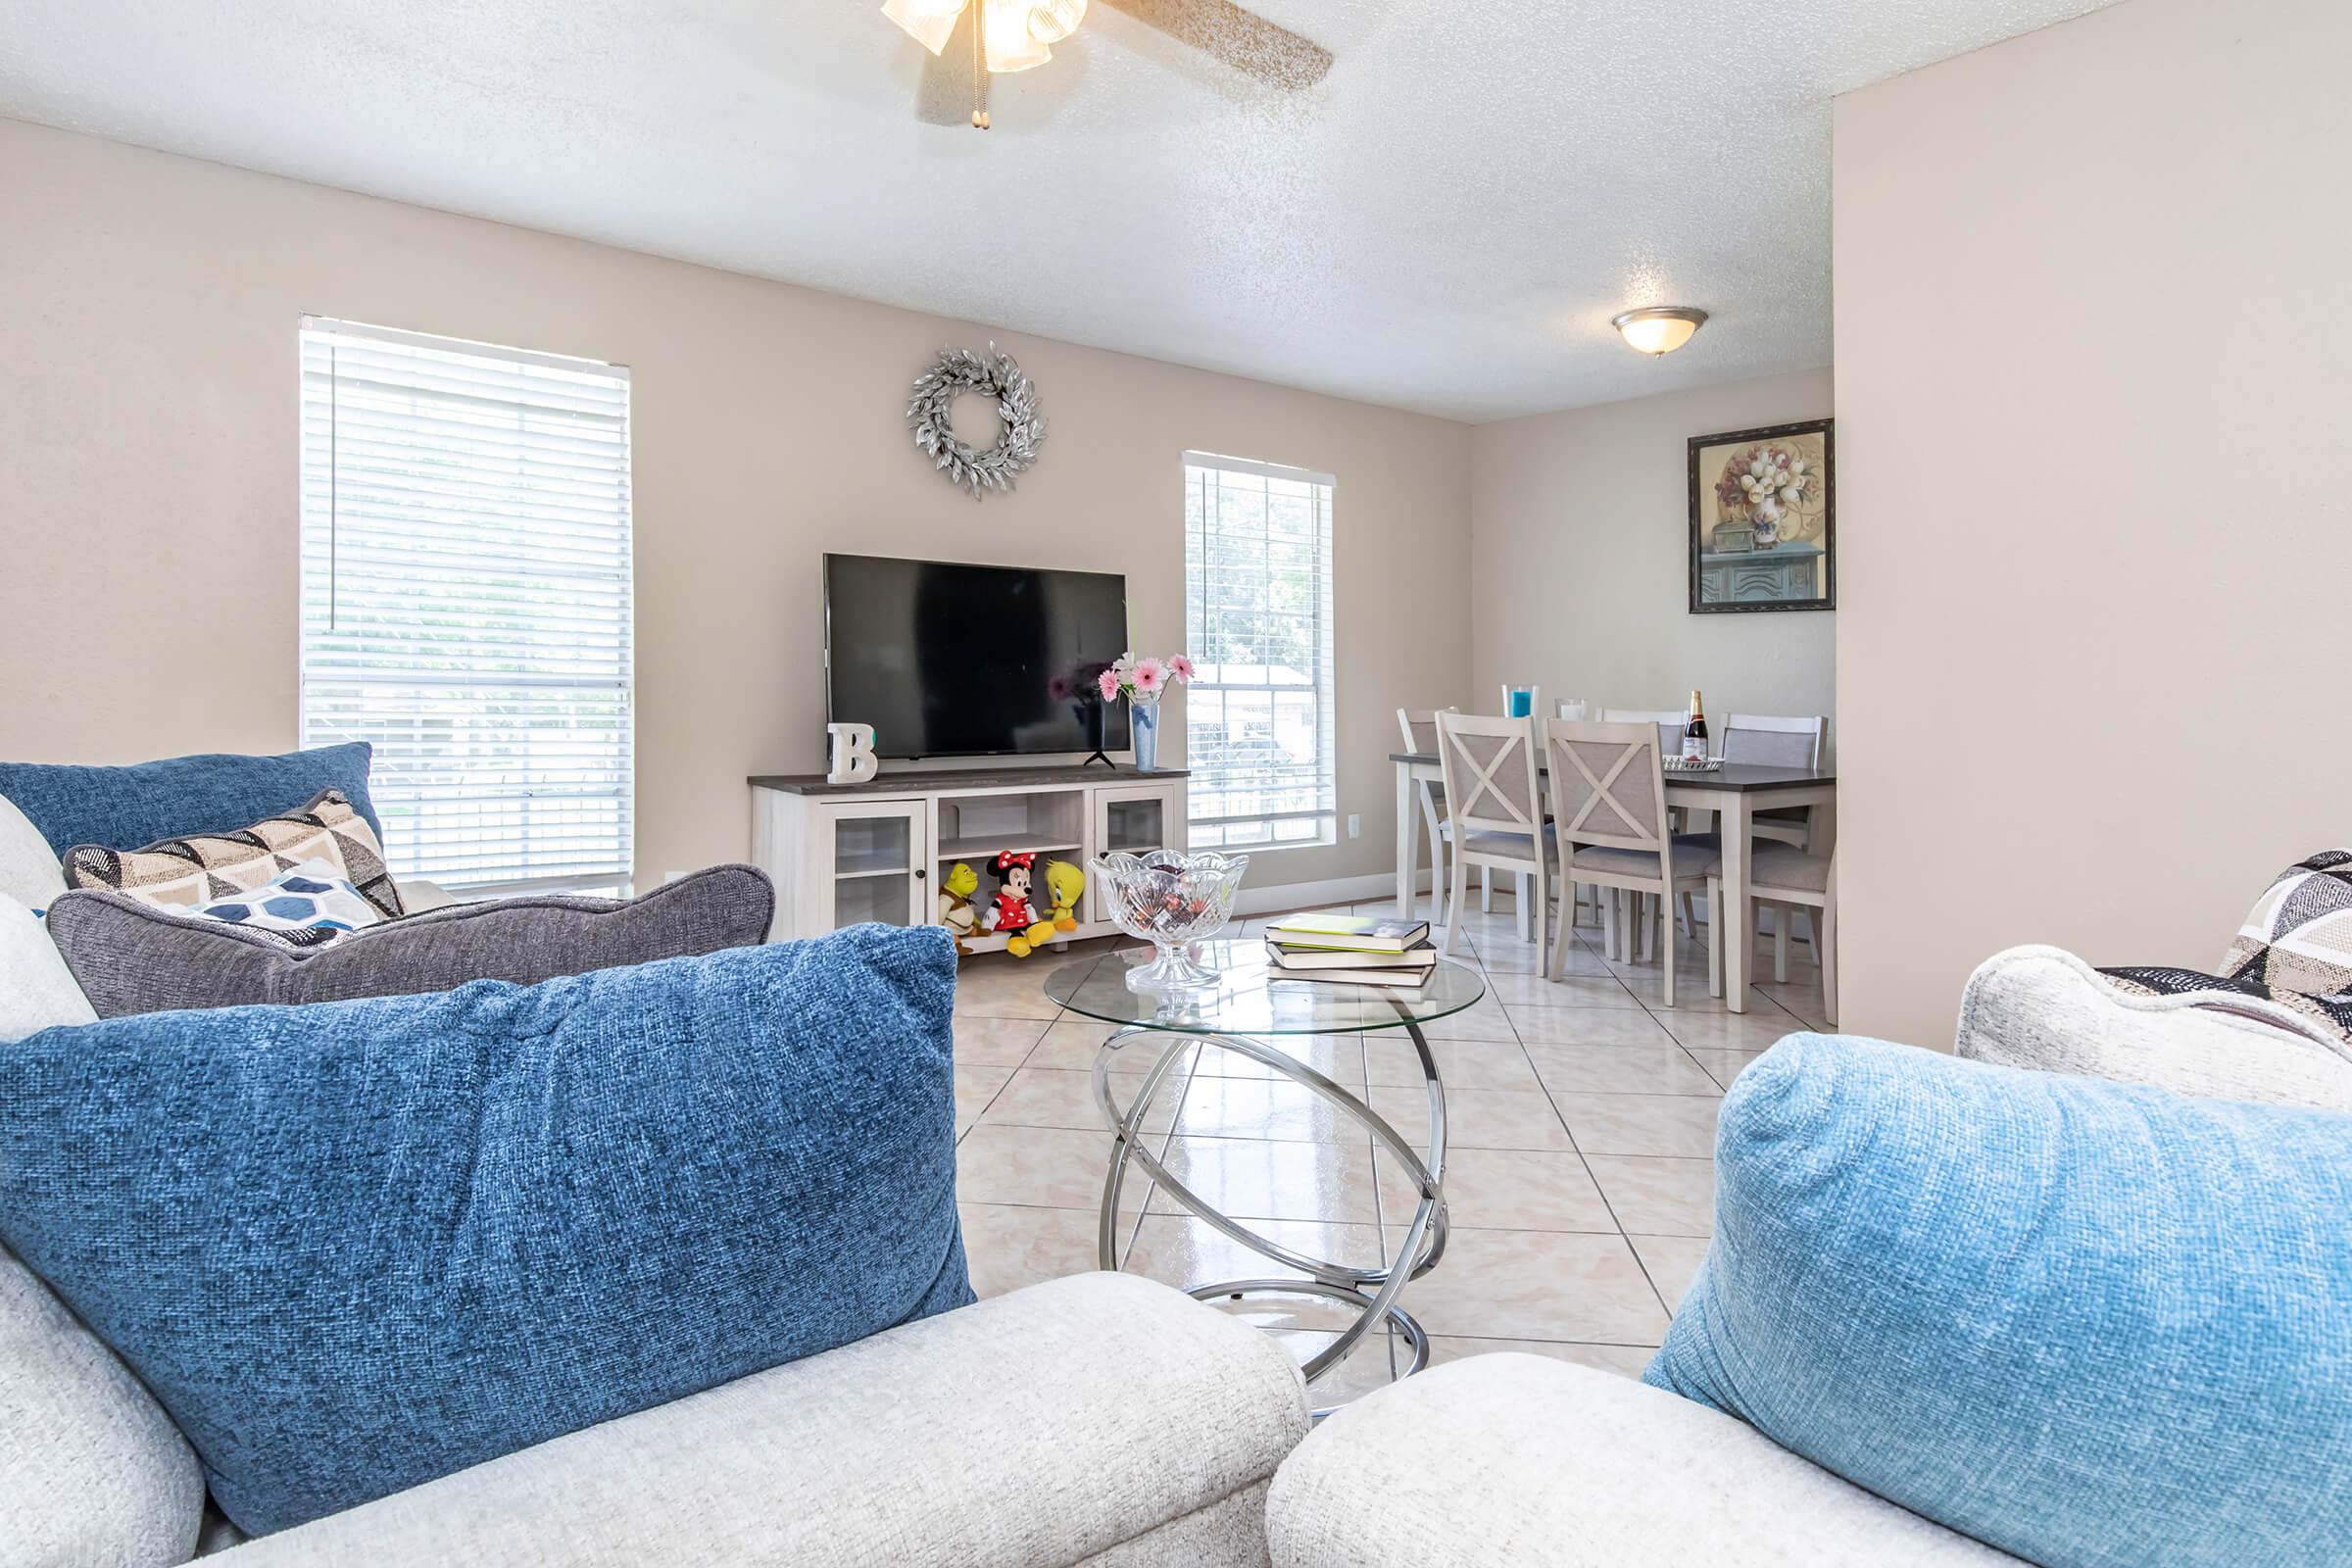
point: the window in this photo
(1257, 623)
(466, 600)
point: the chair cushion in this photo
(2044, 1008)
(357, 1246)
(120, 807)
(1779, 865)
(1492, 840)
(1692, 857)
(200, 867)
(2092, 1324)
(131, 958)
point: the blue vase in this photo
(1145, 715)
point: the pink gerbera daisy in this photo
(1180, 666)
(1108, 684)
(1149, 677)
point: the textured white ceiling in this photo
(1445, 224)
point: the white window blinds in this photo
(466, 600)
(1258, 624)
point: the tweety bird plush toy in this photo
(1066, 884)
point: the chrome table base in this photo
(1372, 1287)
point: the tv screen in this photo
(947, 660)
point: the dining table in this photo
(1735, 792)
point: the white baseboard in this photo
(1310, 895)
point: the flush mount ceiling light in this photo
(1659, 329)
(1017, 34)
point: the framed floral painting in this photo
(1764, 519)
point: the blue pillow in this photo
(355, 1246)
(2088, 1323)
(217, 792)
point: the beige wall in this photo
(1580, 560)
(148, 458)
(2095, 369)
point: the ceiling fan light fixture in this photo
(1658, 329)
(929, 23)
(1004, 26)
(1051, 21)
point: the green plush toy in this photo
(955, 911)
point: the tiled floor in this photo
(1579, 1174)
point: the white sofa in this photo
(1520, 1460)
(1540, 1464)
(1100, 1419)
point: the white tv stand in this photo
(878, 851)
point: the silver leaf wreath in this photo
(993, 375)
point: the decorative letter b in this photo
(853, 754)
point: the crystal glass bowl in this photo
(1170, 901)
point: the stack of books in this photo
(1352, 949)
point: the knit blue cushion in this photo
(2088, 1323)
(217, 792)
(355, 1246)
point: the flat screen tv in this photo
(949, 659)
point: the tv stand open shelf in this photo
(879, 849)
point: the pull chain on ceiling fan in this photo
(1006, 35)
(1016, 35)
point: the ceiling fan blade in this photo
(1241, 39)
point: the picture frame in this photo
(1764, 518)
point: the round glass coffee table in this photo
(1247, 1013)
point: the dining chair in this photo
(1670, 723)
(1785, 876)
(1420, 727)
(1776, 741)
(1494, 812)
(1608, 802)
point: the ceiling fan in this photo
(1009, 35)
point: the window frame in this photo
(1322, 684)
(613, 639)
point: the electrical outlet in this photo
(1355, 825)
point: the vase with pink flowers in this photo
(1144, 683)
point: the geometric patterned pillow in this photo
(2299, 937)
(183, 874)
(2294, 949)
(308, 907)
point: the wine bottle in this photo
(1694, 732)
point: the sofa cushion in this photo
(200, 867)
(2045, 1009)
(306, 907)
(29, 869)
(36, 990)
(2293, 953)
(1504, 1460)
(91, 1470)
(2298, 937)
(121, 808)
(357, 1246)
(2091, 1324)
(132, 958)
(1097, 1419)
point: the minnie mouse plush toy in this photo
(1012, 911)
